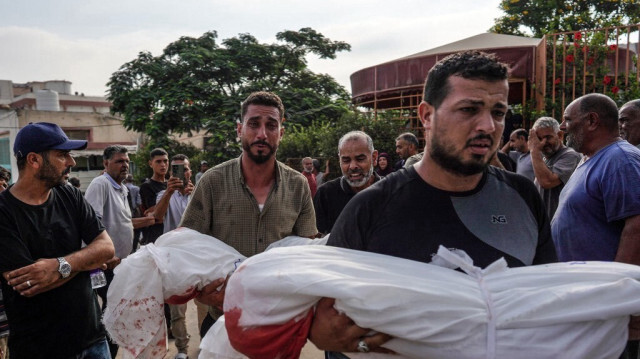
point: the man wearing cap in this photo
(204, 166)
(45, 270)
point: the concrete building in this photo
(81, 117)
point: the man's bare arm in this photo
(43, 275)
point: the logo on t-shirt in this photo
(498, 219)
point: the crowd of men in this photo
(579, 201)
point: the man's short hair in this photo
(180, 157)
(112, 150)
(157, 152)
(306, 158)
(21, 162)
(469, 65)
(75, 182)
(604, 106)
(521, 132)
(316, 164)
(129, 178)
(265, 99)
(547, 122)
(5, 174)
(356, 135)
(635, 103)
(409, 137)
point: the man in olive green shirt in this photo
(251, 201)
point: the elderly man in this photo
(598, 215)
(449, 197)
(629, 121)
(253, 200)
(307, 172)
(357, 158)
(45, 268)
(553, 163)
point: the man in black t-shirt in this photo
(452, 197)
(159, 163)
(52, 308)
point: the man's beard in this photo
(261, 157)
(361, 182)
(441, 154)
(50, 176)
(575, 141)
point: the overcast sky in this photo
(86, 41)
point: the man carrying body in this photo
(629, 121)
(598, 215)
(553, 163)
(254, 200)
(357, 158)
(170, 206)
(45, 271)
(307, 172)
(108, 196)
(518, 143)
(449, 197)
(159, 162)
(406, 146)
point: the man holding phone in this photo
(170, 206)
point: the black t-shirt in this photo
(65, 320)
(329, 201)
(405, 217)
(148, 193)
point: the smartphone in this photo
(178, 171)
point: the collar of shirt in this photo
(241, 176)
(112, 181)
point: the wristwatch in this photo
(64, 268)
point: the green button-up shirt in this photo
(223, 206)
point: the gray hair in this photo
(353, 136)
(547, 122)
(112, 150)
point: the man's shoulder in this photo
(330, 187)
(101, 181)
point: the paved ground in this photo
(308, 352)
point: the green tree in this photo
(197, 84)
(539, 17)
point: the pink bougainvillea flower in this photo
(606, 80)
(578, 36)
(569, 58)
(557, 81)
(615, 89)
(590, 61)
(613, 47)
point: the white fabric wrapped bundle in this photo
(561, 310)
(173, 269)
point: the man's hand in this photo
(34, 278)
(189, 188)
(210, 295)
(113, 262)
(174, 184)
(141, 222)
(534, 142)
(332, 331)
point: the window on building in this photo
(78, 134)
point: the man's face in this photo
(573, 125)
(204, 167)
(629, 121)
(159, 164)
(55, 167)
(356, 162)
(517, 143)
(464, 131)
(403, 149)
(307, 165)
(550, 140)
(260, 132)
(187, 168)
(117, 167)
